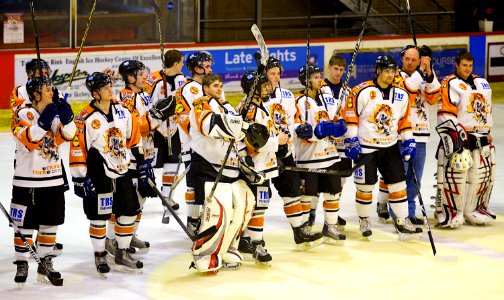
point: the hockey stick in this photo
(35, 33)
(210, 231)
(161, 48)
(52, 280)
(260, 70)
(446, 258)
(410, 21)
(165, 219)
(354, 55)
(307, 59)
(342, 173)
(76, 62)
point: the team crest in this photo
(372, 95)
(382, 119)
(277, 116)
(30, 116)
(194, 90)
(48, 149)
(420, 109)
(115, 145)
(321, 116)
(478, 106)
(463, 86)
(96, 124)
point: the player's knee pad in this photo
(452, 188)
(243, 205)
(218, 213)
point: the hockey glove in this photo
(84, 187)
(47, 116)
(304, 131)
(425, 51)
(163, 108)
(56, 96)
(145, 172)
(409, 150)
(250, 175)
(329, 128)
(65, 112)
(352, 148)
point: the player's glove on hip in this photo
(352, 148)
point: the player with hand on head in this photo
(377, 114)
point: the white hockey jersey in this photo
(110, 134)
(334, 105)
(38, 159)
(314, 153)
(425, 93)
(468, 102)
(377, 117)
(211, 149)
(285, 98)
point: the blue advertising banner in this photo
(232, 63)
(443, 62)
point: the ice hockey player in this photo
(377, 115)
(136, 100)
(214, 125)
(160, 85)
(315, 147)
(199, 64)
(466, 156)
(99, 159)
(38, 200)
(418, 78)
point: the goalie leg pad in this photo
(479, 186)
(451, 193)
(218, 213)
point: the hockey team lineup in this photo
(235, 170)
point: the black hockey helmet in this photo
(96, 81)
(257, 135)
(248, 78)
(197, 59)
(274, 63)
(385, 62)
(302, 73)
(35, 84)
(32, 66)
(131, 67)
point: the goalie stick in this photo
(54, 281)
(260, 70)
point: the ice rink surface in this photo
(360, 269)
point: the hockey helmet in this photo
(274, 63)
(385, 62)
(256, 136)
(131, 67)
(197, 59)
(32, 66)
(312, 69)
(35, 84)
(96, 81)
(247, 81)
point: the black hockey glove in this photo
(84, 187)
(65, 112)
(163, 108)
(47, 116)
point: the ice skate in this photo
(365, 227)
(166, 216)
(261, 256)
(127, 264)
(142, 246)
(21, 273)
(416, 221)
(101, 263)
(383, 213)
(48, 264)
(193, 226)
(245, 247)
(111, 246)
(332, 235)
(232, 259)
(311, 218)
(340, 224)
(57, 249)
(305, 239)
(406, 230)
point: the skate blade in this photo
(233, 266)
(126, 269)
(247, 256)
(340, 227)
(309, 245)
(103, 275)
(68, 280)
(402, 237)
(367, 238)
(141, 250)
(382, 220)
(21, 285)
(331, 241)
(446, 258)
(263, 264)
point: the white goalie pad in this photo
(218, 213)
(226, 127)
(480, 180)
(451, 193)
(243, 205)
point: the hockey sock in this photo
(363, 199)
(305, 207)
(169, 176)
(124, 228)
(398, 199)
(331, 207)
(97, 232)
(137, 220)
(21, 252)
(293, 210)
(256, 224)
(110, 227)
(383, 193)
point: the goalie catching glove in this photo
(453, 137)
(163, 108)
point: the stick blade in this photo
(262, 45)
(446, 258)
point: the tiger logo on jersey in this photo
(48, 149)
(277, 116)
(382, 119)
(478, 106)
(321, 116)
(420, 109)
(116, 146)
